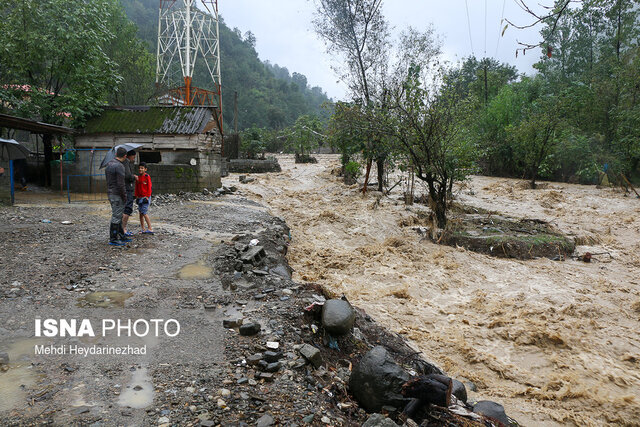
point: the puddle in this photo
(196, 270)
(104, 299)
(20, 375)
(13, 385)
(139, 393)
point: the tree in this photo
(306, 134)
(347, 131)
(535, 136)
(356, 31)
(133, 62)
(429, 128)
(55, 48)
(252, 142)
(482, 79)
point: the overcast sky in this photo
(285, 34)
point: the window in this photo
(150, 156)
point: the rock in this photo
(308, 419)
(471, 386)
(379, 420)
(81, 410)
(377, 381)
(207, 423)
(222, 404)
(232, 322)
(163, 420)
(267, 376)
(273, 345)
(281, 271)
(4, 358)
(254, 359)
(312, 354)
(265, 421)
(273, 367)
(492, 410)
(338, 317)
(249, 329)
(325, 420)
(459, 390)
(272, 356)
(225, 392)
(254, 255)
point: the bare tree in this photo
(357, 33)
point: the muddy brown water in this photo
(555, 342)
(19, 374)
(104, 299)
(196, 270)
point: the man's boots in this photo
(113, 236)
(121, 234)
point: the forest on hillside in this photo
(269, 96)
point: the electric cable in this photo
(500, 28)
(469, 27)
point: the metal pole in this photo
(61, 185)
(235, 111)
(11, 181)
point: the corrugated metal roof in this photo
(145, 119)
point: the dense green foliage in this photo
(54, 58)
(577, 116)
(585, 95)
(268, 95)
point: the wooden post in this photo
(235, 111)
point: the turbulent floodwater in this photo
(554, 342)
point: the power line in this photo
(469, 27)
(485, 28)
(500, 28)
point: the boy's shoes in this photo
(124, 238)
(128, 233)
(147, 232)
(117, 243)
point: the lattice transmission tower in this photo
(188, 31)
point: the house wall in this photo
(176, 172)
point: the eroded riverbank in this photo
(555, 342)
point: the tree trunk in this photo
(440, 210)
(534, 175)
(380, 165)
(47, 139)
(366, 177)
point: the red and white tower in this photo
(187, 31)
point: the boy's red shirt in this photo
(143, 186)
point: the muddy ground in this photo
(190, 271)
(556, 342)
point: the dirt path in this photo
(555, 342)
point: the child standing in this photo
(143, 197)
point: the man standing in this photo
(129, 182)
(114, 173)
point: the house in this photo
(181, 145)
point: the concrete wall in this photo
(189, 162)
(254, 166)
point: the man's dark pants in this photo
(117, 209)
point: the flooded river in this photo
(555, 342)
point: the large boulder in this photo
(338, 317)
(492, 410)
(376, 381)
